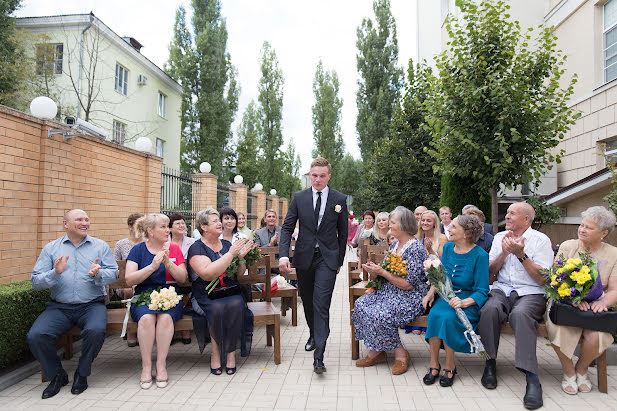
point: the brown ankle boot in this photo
(367, 362)
(400, 367)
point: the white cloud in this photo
(300, 32)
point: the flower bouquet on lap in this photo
(573, 280)
(249, 259)
(443, 285)
(160, 299)
(392, 263)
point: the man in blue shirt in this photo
(76, 267)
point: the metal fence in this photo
(177, 193)
(251, 219)
(222, 196)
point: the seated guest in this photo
(268, 236)
(380, 231)
(366, 228)
(597, 223)
(417, 213)
(121, 251)
(242, 227)
(466, 265)
(76, 267)
(485, 241)
(428, 233)
(229, 320)
(378, 315)
(152, 264)
(445, 214)
(178, 236)
(516, 258)
(229, 218)
(488, 228)
(352, 228)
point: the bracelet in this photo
(523, 258)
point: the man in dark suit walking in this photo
(319, 253)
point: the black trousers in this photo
(316, 287)
(58, 318)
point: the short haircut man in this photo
(418, 212)
(268, 236)
(517, 255)
(445, 215)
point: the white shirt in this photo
(445, 229)
(512, 276)
(324, 200)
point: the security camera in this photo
(90, 128)
(69, 120)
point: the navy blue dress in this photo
(228, 320)
(140, 254)
(469, 275)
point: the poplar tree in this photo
(202, 65)
(380, 77)
(9, 52)
(247, 149)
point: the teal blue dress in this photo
(469, 275)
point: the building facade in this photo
(98, 76)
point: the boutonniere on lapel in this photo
(338, 208)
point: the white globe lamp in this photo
(205, 167)
(273, 192)
(258, 187)
(238, 179)
(143, 144)
(43, 107)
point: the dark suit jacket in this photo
(331, 234)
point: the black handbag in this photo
(566, 314)
(226, 291)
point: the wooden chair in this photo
(288, 294)
(264, 312)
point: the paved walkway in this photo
(261, 385)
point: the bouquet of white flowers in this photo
(160, 299)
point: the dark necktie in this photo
(317, 208)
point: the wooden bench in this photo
(288, 293)
(264, 312)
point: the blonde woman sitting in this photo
(429, 234)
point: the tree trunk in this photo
(494, 210)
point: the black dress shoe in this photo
(319, 367)
(80, 384)
(310, 344)
(489, 377)
(533, 394)
(60, 380)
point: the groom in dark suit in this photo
(319, 253)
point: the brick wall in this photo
(41, 178)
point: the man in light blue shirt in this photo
(76, 267)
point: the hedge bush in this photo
(456, 193)
(19, 307)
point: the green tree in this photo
(247, 148)
(202, 65)
(380, 77)
(349, 179)
(457, 192)
(271, 111)
(327, 132)
(289, 180)
(545, 213)
(498, 108)
(400, 171)
(10, 54)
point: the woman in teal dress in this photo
(467, 266)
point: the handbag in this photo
(223, 292)
(566, 314)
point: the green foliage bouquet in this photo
(249, 259)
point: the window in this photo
(610, 151)
(161, 104)
(122, 79)
(119, 132)
(609, 35)
(160, 146)
(49, 58)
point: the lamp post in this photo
(143, 144)
(205, 167)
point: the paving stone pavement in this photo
(259, 384)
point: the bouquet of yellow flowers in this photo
(160, 299)
(573, 280)
(392, 263)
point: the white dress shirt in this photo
(512, 276)
(324, 200)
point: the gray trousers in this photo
(523, 312)
(316, 287)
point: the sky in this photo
(301, 32)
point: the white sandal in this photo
(569, 382)
(583, 380)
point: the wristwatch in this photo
(523, 258)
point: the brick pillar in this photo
(237, 197)
(153, 185)
(284, 206)
(207, 191)
(259, 207)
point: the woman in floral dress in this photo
(378, 315)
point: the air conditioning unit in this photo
(142, 80)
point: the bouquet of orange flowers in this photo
(392, 263)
